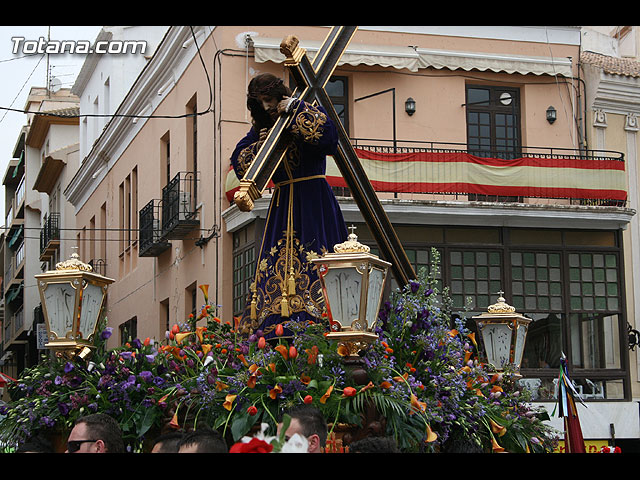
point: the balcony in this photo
(179, 215)
(50, 236)
(448, 171)
(151, 243)
(99, 266)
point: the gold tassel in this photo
(284, 307)
(254, 308)
(292, 284)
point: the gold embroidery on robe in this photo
(309, 124)
(308, 294)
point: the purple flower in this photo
(68, 367)
(414, 286)
(126, 355)
(146, 375)
(106, 333)
(64, 409)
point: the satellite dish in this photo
(55, 84)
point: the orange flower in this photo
(366, 387)
(495, 447)
(496, 388)
(181, 336)
(228, 402)
(206, 348)
(305, 379)
(453, 332)
(499, 430)
(275, 391)
(221, 386)
(472, 336)
(431, 435)
(349, 392)
(293, 353)
(253, 368)
(146, 342)
(283, 351)
(200, 333)
(174, 421)
(262, 343)
(312, 355)
(385, 385)
(416, 405)
(243, 360)
(251, 383)
(205, 291)
(403, 378)
(279, 330)
(467, 356)
(496, 377)
(326, 395)
(272, 367)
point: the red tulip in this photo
(262, 343)
(308, 399)
(293, 353)
(252, 410)
(349, 391)
(279, 330)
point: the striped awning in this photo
(460, 172)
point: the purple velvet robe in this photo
(315, 216)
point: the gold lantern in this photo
(72, 297)
(503, 333)
(353, 282)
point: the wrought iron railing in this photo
(151, 240)
(50, 231)
(179, 205)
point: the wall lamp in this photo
(410, 106)
(551, 114)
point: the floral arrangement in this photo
(423, 378)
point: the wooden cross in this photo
(311, 80)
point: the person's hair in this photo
(36, 444)
(103, 427)
(168, 442)
(269, 85)
(206, 439)
(374, 445)
(311, 420)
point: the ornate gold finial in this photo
(290, 48)
(74, 263)
(351, 245)
(501, 306)
(243, 201)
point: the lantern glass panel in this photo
(90, 308)
(521, 334)
(374, 292)
(343, 290)
(497, 343)
(60, 300)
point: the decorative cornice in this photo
(171, 58)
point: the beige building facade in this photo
(535, 207)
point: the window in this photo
(493, 127)
(244, 264)
(568, 282)
(129, 330)
(337, 89)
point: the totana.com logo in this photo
(42, 45)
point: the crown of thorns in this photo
(266, 89)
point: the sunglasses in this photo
(74, 445)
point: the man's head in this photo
(167, 443)
(202, 440)
(97, 433)
(309, 422)
(264, 92)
